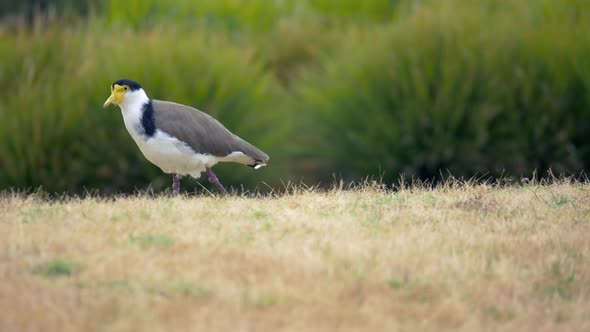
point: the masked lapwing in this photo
(179, 139)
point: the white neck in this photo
(134, 100)
(132, 109)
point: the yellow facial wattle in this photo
(117, 94)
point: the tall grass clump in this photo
(472, 88)
(54, 133)
(246, 16)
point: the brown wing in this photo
(201, 132)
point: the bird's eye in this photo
(126, 88)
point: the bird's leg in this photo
(175, 184)
(213, 179)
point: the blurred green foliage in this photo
(351, 88)
(468, 89)
(245, 15)
(31, 9)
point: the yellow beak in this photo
(117, 93)
(112, 100)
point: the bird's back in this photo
(201, 132)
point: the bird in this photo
(179, 139)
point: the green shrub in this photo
(245, 15)
(468, 88)
(228, 14)
(29, 8)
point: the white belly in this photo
(174, 156)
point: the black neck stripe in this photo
(148, 124)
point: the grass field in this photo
(457, 257)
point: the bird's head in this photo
(123, 91)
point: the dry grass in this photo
(472, 257)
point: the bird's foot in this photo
(213, 179)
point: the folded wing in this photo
(203, 133)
